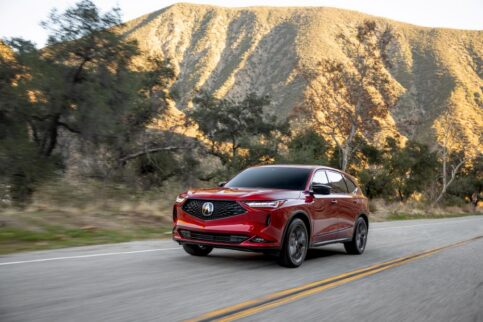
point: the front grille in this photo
(221, 208)
(220, 238)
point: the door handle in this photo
(333, 201)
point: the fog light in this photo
(259, 240)
(185, 234)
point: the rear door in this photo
(354, 203)
(341, 202)
(324, 220)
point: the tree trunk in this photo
(348, 148)
(474, 200)
(234, 149)
(446, 182)
(49, 141)
(344, 158)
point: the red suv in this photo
(276, 209)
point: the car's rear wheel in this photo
(358, 243)
(295, 244)
(197, 250)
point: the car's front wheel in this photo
(358, 243)
(295, 244)
(197, 250)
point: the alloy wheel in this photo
(361, 236)
(297, 244)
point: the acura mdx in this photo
(278, 209)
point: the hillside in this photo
(233, 51)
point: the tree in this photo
(21, 166)
(469, 183)
(229, 125)
(102, 97)
(413, 168)
(451, 159)
(85, 83)
(399, 172)
(347, 100)
(309, 147)
(72, 77)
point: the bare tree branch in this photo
(68, 127)
(148, 151)
(449, 135)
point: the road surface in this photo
(157, 281)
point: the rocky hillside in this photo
(233, 51)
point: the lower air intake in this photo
(217, 238)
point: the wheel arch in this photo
(365, 217)
(304, 217)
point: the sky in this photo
(21, 18)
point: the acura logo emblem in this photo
(207, 209)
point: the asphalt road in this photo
(157, 281)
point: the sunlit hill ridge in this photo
(234, 51)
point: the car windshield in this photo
(288, 178)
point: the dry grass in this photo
(384, 211)
(88, 212)
(97, 197)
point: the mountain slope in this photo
(234, 51)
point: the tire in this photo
(197, 250)
(295, 245)
(359, 240)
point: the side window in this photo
(320, 177)
(336, 181)
(350, 185)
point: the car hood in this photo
(242, 194)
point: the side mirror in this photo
(221, 183)
(321, 189)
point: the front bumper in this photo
(253, 230)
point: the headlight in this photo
(180, 198)
(265, 204)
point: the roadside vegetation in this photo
(83, 158)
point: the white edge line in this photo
(85, 256)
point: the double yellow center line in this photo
(270, 301)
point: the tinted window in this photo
(272, 178)
(350, 185)
(320, 177)
(336, 181)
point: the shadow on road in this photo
(321, 252)
(235, 258)
(240, 257)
